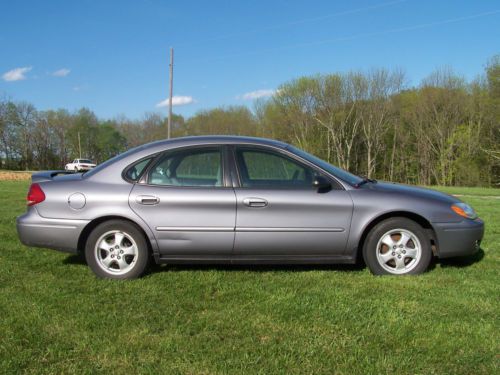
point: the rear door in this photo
(279, 213)
(185, 199)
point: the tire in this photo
(117, 249)
(76, 169)
(397, 246)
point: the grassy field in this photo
(56, 317)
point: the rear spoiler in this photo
(47, 175)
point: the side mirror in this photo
(321, 183)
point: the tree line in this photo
(444, 131)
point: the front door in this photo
(185, 201)
(279, 213)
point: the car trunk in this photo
(54, 175)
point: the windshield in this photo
(85, 161)
(337, 172)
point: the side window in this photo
(262, 168)
(195, 167)
(134, 172)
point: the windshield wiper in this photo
(365, 181)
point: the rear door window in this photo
(200, 167)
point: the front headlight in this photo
(464, 210)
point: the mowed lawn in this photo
(56, 317)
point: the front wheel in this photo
(397, 246)
(117, 249)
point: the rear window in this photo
(115, 159)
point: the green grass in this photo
(469, 191)
(56, 317)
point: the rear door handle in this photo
(147, 200)
(255, 202)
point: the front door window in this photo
(263, 168)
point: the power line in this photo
(294, 23)
(352, 37)
(401, 29)
(171, 90)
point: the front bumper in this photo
(459, 239)
(58, 234)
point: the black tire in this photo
(122, 267)
(383, 259)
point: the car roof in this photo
(115, 166)
(217, 139)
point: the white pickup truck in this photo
(79, 165)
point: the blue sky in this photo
(112, 56)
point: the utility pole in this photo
(79, 146)
(169, 126)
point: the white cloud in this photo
(16, 74)
(80, 87)
(263, 93)
(176, 101)
(61, 72)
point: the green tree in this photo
(224, 121)
(109, 142)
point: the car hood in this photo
(414, 191)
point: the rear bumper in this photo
(459, 239)
(57, 234)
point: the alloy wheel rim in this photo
(398, 251)
(116, 252)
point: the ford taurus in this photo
(239, 200)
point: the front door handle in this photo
(147, 200)
(255, 202)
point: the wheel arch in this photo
(419, 219)
(82, 239)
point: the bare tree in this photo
(376, 89)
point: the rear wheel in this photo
(397, 246)
(117, 249)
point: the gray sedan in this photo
(239, 200)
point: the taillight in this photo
(35, 195)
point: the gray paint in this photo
(58, 234)
(188, 207)
(295, 216)
(217, 225)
